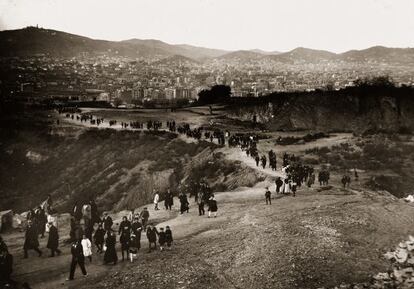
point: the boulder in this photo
(6, 220)
(18, 221)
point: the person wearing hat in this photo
(31, 241)
(77, 259)
(144, 217)
(107, 221)
(53, 241)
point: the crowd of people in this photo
(88, 228)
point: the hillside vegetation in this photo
(120, 169)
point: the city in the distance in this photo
(41, 63)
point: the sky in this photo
(272, 25)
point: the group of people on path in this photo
(202, 197)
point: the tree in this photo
(217, 94)
(117, 102)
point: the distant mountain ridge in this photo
(32, 41)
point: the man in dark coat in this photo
(152, 237)
(31, 241)
(99, 238)
(6, 268)
(168, 236)
(184, 203)
(268, 196)
(279, 184)
(41, 220)
(53, 241)
(144, 215)
(169, 200)
(77, 259)
(136, 228)
(125, 232)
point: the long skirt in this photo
(110, 255)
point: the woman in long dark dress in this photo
(110, 253)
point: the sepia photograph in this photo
(197, 144)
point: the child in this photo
(99, 238)
(87, 247)
(212, 207)
(168, 237)
(161, 239)
(133, 247)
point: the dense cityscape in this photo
(123, 80)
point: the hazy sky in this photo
(335, 25)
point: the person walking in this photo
(31, 241)
(268, 196)
(99, 238)
(77, 259)
(124, 240)
(6, 268)
(136, 229)
(212, 207)
(294, 188)
(168, 237)
(110, 252)
(184, 204)
(156, 200)
(152, 237)
(144, 217)
(87, 248)
(107, 221)
(53, 241)
(279, 184)
(200, 202)
(133, 246)
(41, 221)
(162, 239)
(169, 200)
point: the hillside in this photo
(243, 55)
(32, 41)
(119, 169)
(301, 54)
(177, 49)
